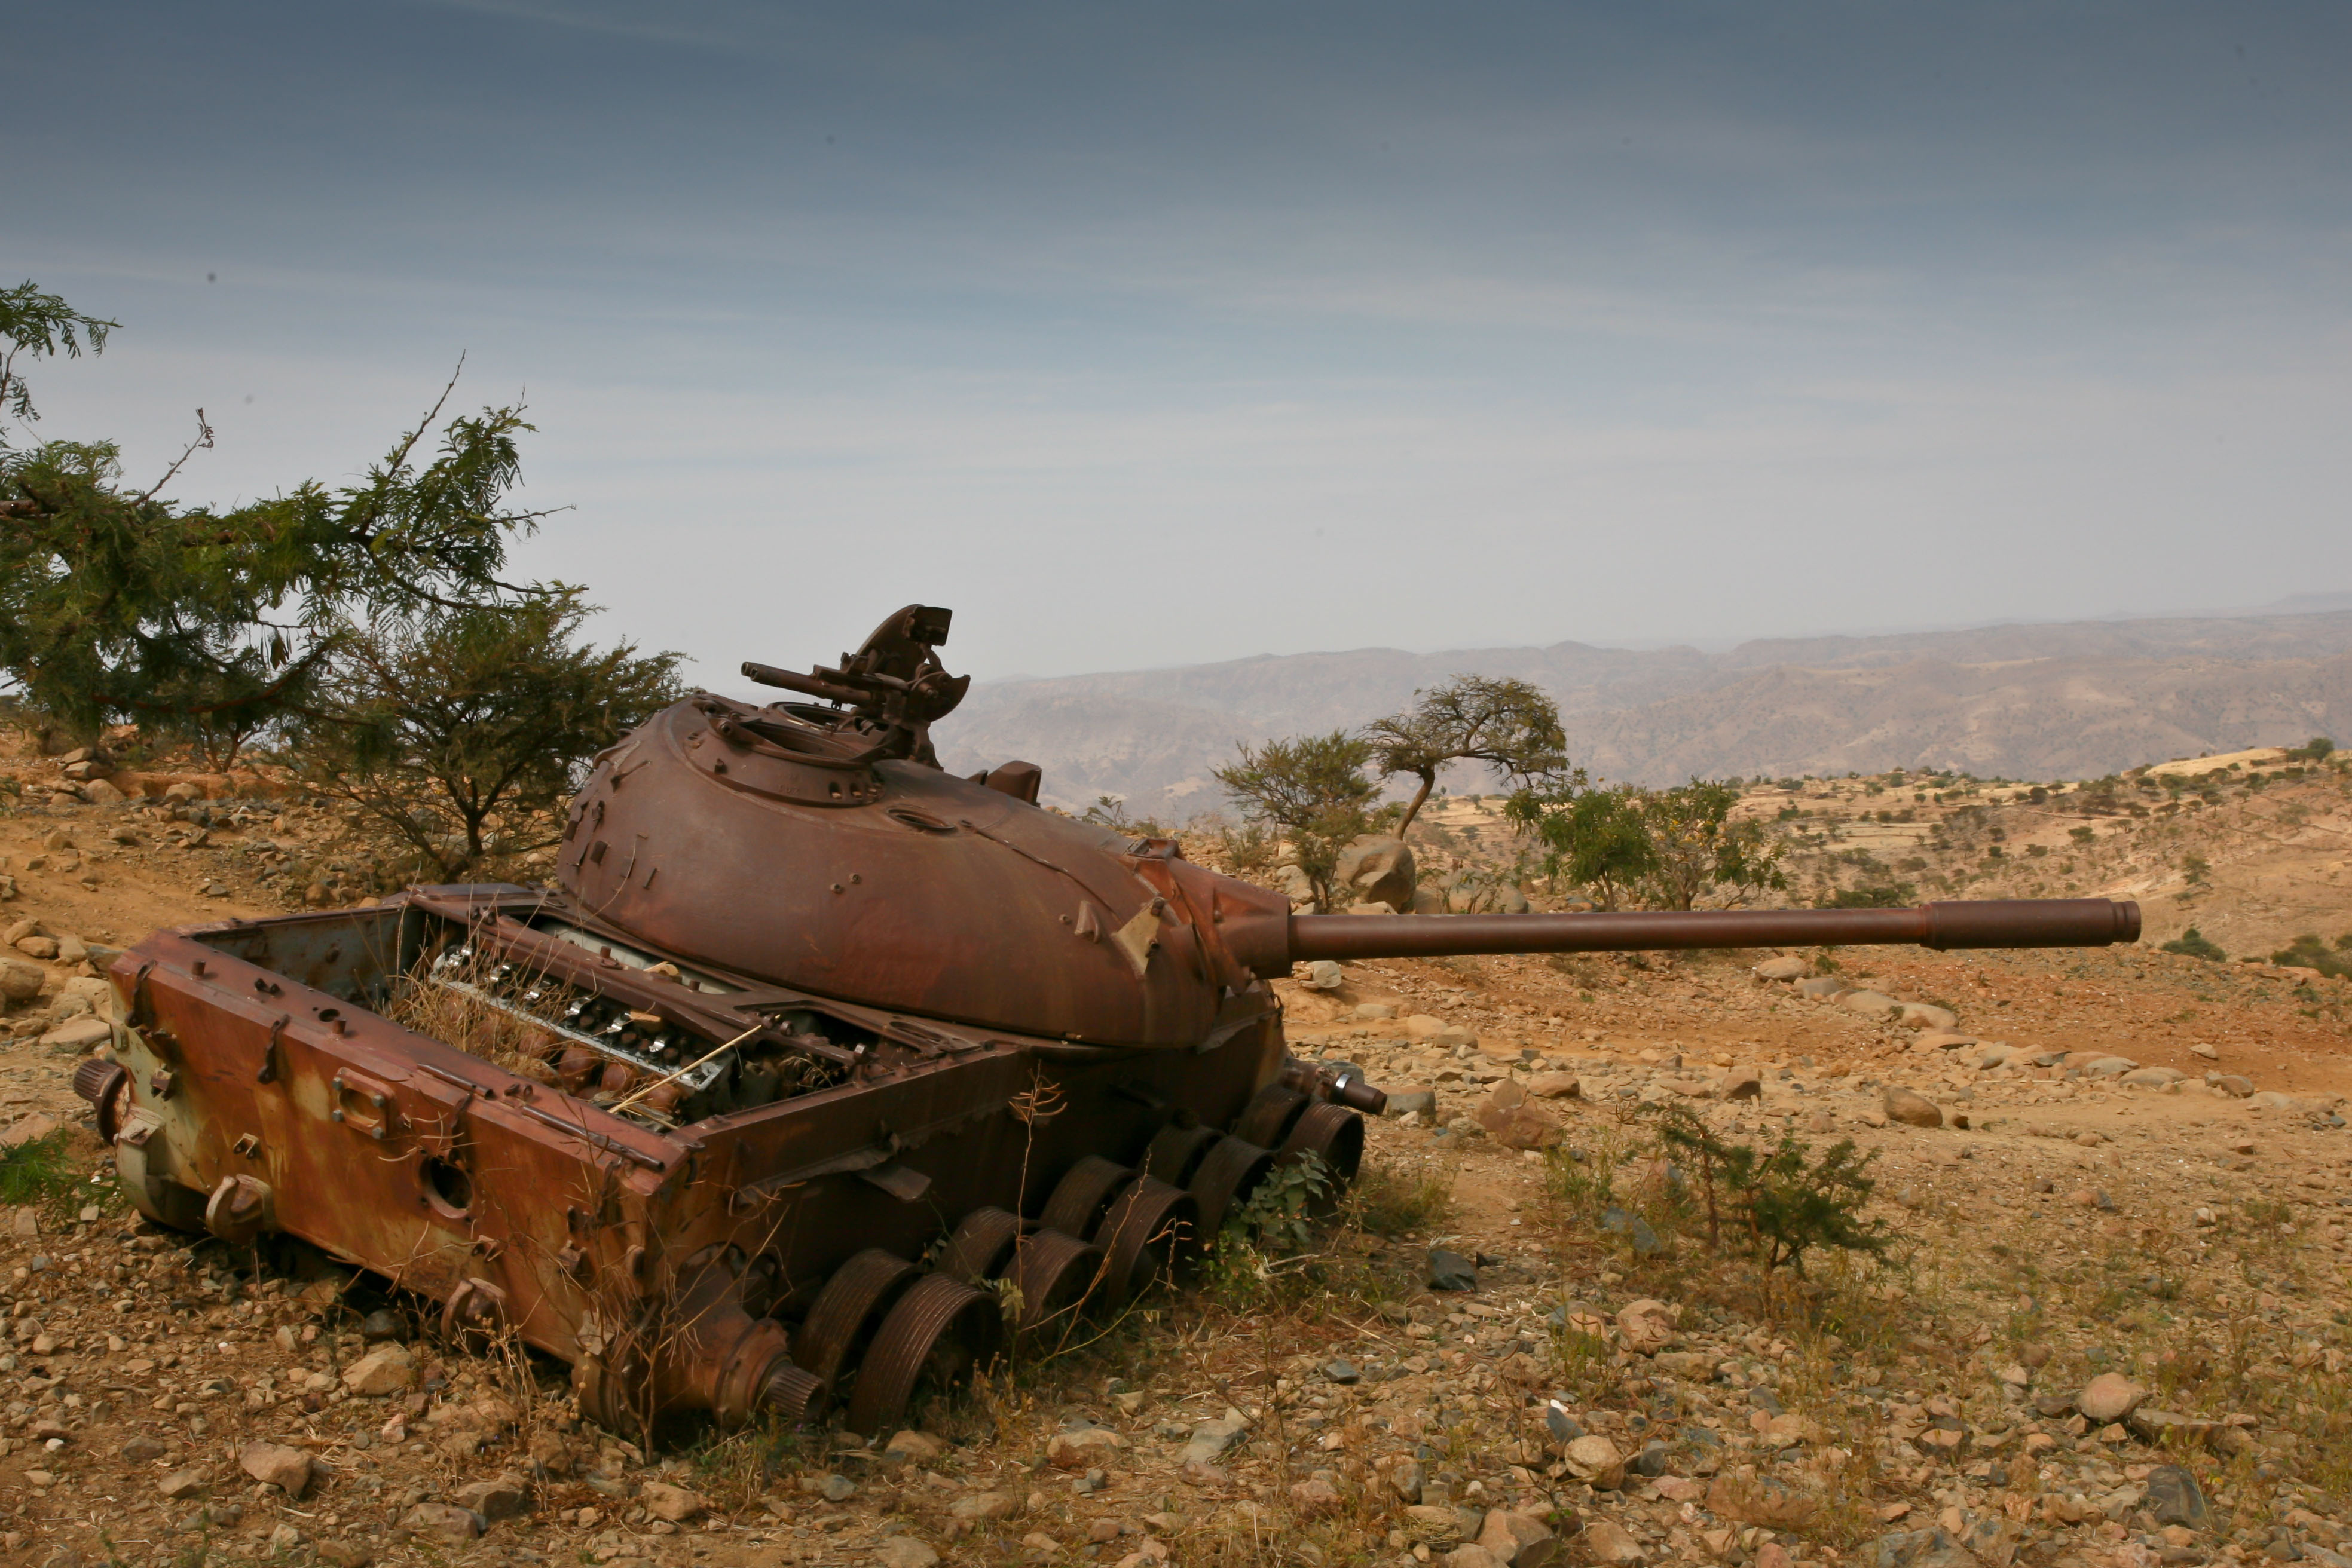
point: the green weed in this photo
(40, 1171)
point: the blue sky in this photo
(1144, 335)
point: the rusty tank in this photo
(820, 1074)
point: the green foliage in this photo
(1508, 725)
(1274, 1227)
(1891, 895)
(2316, 749)
(39, 1171)
(1280, 1215)
(1595, 838)
(2193, 944)
(2308, 952)
(1313, 789)
(2196, 868)
(38, 326)
(1778, 1204)
(468, 727)
(1666, 847)
(210, 627)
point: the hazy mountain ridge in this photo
(2069, 699)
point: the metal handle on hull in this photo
(1960, 922)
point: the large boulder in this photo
(1376, 869)
(1914, 1109)
(1482, 892)
(19, 982)
(1294, 885)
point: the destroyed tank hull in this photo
(821, 1076)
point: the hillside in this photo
(2108, 1332)
(2073, 700)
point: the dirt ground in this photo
(1325, 1405)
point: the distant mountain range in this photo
(2074, 699)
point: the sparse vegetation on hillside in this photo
(1313, 790)
(1668, 848)
(2193, 944)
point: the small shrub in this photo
(1891, 895)
(39, 1171)
(1110, 812)
(1778, 1204)
(2308, 952)
(2193, 944)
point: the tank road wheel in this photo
(940, 1333)
(977, 1250)
(1082, 1195)
(847, 1311)
(1269, 1115)
(1332, 1134)
(1226, 1178)
(1054, 1272)
(1176, 1151)
(1150, 1224)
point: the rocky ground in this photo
(2111, 1331)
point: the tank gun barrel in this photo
(1959, 923)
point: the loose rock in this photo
(1210, 1439)
(2110, 1397)
(1086, 1447)
(182, 1485)
(1595, 1460)
(675, 1504)
(443, 1522)
(916, 1445)
(1517, 1540)
(388, 1369)
(278, 1465)
(501, 1497)
(2175, 1498)
(1605, 1540)
(1511, 1121)
(1912, 1109)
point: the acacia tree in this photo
(1314, 791)
(208, 626)
(463, 728)
(1700, 850)
(1508, 725)
(1666, 847)
(38, 326)
(1594, 838)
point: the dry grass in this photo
(469, 1023)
